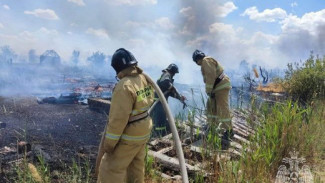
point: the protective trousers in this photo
(218, 109)
(161, 126)
(124, 164)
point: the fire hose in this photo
(173, 128)
(172, 125)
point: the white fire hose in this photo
(172, 125)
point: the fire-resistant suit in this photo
(218, 101)
(128, 129)
(166, 84)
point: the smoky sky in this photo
(161, 33)
(194, 18)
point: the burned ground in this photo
(64, 131)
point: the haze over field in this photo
(158, 32)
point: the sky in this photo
(270, 33)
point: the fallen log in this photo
(171, 163)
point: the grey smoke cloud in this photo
(161, 32)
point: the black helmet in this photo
(197, 54)
(122, 59)
(172, 68)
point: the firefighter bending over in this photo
(217, 87)
(166, 84)
(129, 124)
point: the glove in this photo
(182, 98)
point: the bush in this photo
(305, 81)
(283, 128)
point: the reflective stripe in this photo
(135, 138)
(225, 120)
(138, 111)
(212, 116)
(112, 136)
(160, 128)
(222, 86)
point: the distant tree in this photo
(7, 55)
(249, 80)
(32, 57)
(75, 56)
(97, 58)
(265, 75)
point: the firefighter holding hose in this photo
(129, 124)
(217, 86)
(166, 84)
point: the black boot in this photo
(225, 139)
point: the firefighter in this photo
(217, 86)
(166, 84)
(129, 124)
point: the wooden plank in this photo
(164, 150)
(244, 128)
(233, 153)
(239, 132)
(240, 139)
(236, 145)
(165, 139)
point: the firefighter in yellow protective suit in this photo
(217, 86)
(129, 124)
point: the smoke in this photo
(159, 33)
(45, 81)
(49, 76)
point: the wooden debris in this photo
(240, 139)
(171, 163)
(244, 128)
(161, 149)
(24, 147)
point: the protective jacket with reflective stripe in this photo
(211, 70)
(132, 95)
(166, 83)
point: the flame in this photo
(271, 87)
(256, 73)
